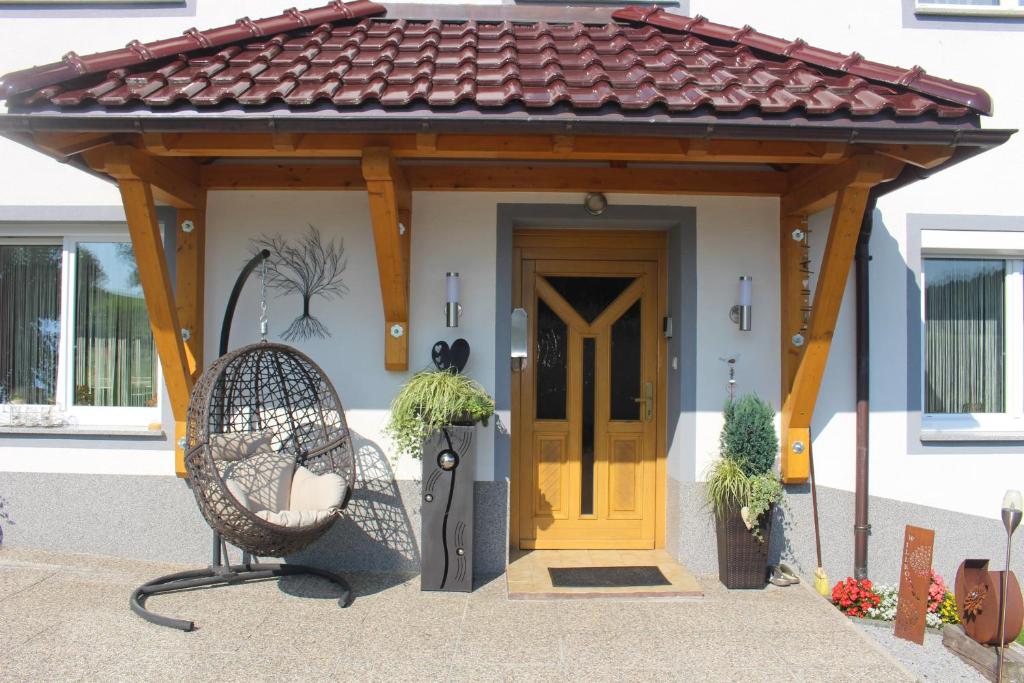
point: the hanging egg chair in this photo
(269, 458)
(269, 402)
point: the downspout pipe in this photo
(862, 258)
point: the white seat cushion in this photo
(295, 518)
(279, 492)
(264, 480)
(233, 446)
(316, 492)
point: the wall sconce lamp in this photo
(741, 312)
(452, 309)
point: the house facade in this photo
(88, 441)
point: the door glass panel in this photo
(589, 295)
(587, 450)
(625, 379)
(552, 363)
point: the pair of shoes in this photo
(782, 575)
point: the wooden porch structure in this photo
(180, 168)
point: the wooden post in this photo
(828, 295)
(190, 283)
(792, 297)
(391, 215)
(154, 276)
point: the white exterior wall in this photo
(735, 236)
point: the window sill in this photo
(962, 11)
(79, 431)
(968, 435)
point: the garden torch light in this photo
(1013, 505)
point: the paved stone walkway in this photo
(66, 618)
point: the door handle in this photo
(648, 400)
(519, 338)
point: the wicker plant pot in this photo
(742, 559)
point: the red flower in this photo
(855, 597)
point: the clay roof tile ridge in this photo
(958, 93)
(136, 52)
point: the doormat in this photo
(606, 577)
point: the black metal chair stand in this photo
(223, 574)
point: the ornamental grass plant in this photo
(432, 399)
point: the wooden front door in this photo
(588, 395)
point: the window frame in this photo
(1007, 247)
(68, 237)
(1005, 8)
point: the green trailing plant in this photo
(748, 435)
(432, 399)
(764, 490)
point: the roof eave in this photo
(965, 132)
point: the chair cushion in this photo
(233, 446)
(294, 518)
(265, 479)
(316, 492)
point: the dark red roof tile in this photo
(339, 54)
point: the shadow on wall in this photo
(375, 531)
(5, 518)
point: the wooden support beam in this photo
(525, 147)
(175, 181)
(810, 192)
(798, 408)
(190, 265)
(501, 178)
(514, 178)
(154, 276)
(282, 176)
(391, 215)
(923, 156)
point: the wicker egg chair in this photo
(277, 393)
(272, 389)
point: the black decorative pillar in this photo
(446, 546)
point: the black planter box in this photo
(446, 511)
(742, 558)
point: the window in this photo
(981, 8)
(973, 336)
(74, 332)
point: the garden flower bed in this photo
(876, 604)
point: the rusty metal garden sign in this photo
(915, 579)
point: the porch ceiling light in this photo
(741, 312)
(452, 309)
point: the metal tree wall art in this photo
(309, 268)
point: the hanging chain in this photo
(263, 300)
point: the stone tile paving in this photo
(65, 617)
